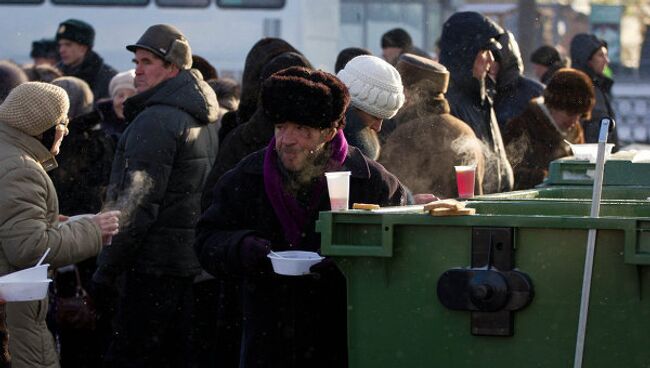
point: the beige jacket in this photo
(28, 226)
(426, 145)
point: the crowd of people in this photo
(193, 179)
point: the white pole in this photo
(591, 244)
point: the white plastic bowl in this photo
(589, 151)
(24, 291)
(37, 273)
(294, 262)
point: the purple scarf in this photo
(291, 214)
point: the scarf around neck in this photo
(293, 216)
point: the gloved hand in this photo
(324, 269)
(252, 254)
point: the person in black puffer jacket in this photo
(513, 90)
(158, 173)
(465, 44)
(589, 55)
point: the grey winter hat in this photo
(166, 42)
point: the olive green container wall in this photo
(393, 263)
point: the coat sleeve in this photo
(222, 227)
(139, 190)
(26, 232)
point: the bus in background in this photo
(221, 31)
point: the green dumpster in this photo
(618, 172)
(409, 303)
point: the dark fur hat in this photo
(312, 98)
(570, 90)
(76, 30)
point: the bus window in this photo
(102, 2)
(21, 1)
(267, 4)
(183, 3)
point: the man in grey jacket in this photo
(159, 170)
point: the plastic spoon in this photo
(43, 257)
(277, 255)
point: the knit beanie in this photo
(375, 86)
(396, 37)
(168, 43)
(35, 107)
(77, 31)
(121, 81)
(79, 93)
(570, 90)
(415, 69)
(311, 98)
(546, 55)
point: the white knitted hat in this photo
(122, 80)
(35, 107)
(375, 86)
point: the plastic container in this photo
(589, 151)
(37, 273)
(17, 291)
(294, 262)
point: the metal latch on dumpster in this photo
(491, 289)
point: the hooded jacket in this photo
(513, 90)
(158, 173)
(583, 47)
(30, 225)
(464, 34)
(93, 71)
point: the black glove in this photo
(324, 269)
(252, 254)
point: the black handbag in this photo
(75, 312)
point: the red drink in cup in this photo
(465, 180)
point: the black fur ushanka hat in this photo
(306, 97)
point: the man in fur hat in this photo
(428, 141)
(76, 39)
(271, 201)
(537, 136)
(159, 169)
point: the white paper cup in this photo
(338, 186)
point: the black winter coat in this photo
(513, 90)
(93, 71)
(160, 167)
(288, 321)
(580, 55)
(243, 140)
(84, 166)
(464, 35)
